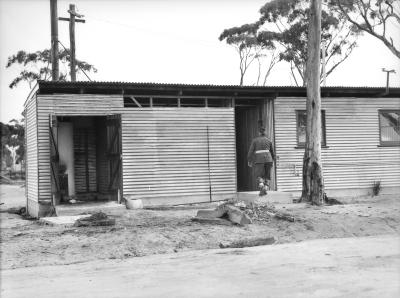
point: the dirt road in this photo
(350, 267)
(139, 233)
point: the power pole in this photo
(388, 72)
(54, 40)
(72, 19)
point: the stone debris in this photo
(211, 213)
(225, 213)
(214, 221)
(240, 213)
(237, 216)
(264, 213)
(248, 242)
(96, 219)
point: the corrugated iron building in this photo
(174, 143)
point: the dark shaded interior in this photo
(95, 146)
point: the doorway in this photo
(250, 115)
(85, 158)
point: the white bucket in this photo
(133, 203)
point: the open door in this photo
(54, 156)
(250, 115)
(114, 154)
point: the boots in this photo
(262, 187)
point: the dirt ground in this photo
(366, 267)
(27, 243)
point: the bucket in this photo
(133, 203)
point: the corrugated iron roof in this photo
(228, 90)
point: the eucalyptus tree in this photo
(283, 27)
(373, 17)
(252, 47)
(37, 66)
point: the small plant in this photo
(376, 188)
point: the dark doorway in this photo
(250, 115)
(86, 158)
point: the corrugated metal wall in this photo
(171, 152)
(32, 187)
(165, 150)
(353, 158)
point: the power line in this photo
(158, 32)
(77, 64)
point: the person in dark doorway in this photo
(261, 157)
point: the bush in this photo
(376, 188)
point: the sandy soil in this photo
(145, 232)
(366, 267)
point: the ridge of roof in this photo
(116, 83)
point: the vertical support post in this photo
(72, 40)
(388, 72)
(54, 40)
(208, 163)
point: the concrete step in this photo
(277, 197)
(110, 207)
(66, 221)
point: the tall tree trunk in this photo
(313, 182)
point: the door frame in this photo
(264, 107)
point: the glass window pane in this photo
(301, 127)
(390, 127)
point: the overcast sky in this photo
(168, 41)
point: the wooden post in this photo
(54, 40)
(72, 40)
(313, 182)
(73, 15)
(388, 72)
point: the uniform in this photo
(261, 155)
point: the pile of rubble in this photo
(95, 220)
(240, 213)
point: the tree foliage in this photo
(37, 66)
(12, 135)
(289, 19)
(283, 25)
(251, 47)
(373, 17)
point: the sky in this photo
(164, 41)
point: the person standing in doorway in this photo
(261, 157)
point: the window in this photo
(133, 101)
(301, 120)
(389, 127)
(193, 102)
(165, 102)
(219, 102)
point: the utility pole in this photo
(54, 40)
(388, 72)
(72, 19)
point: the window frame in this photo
(323, 129)
(386, 143)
